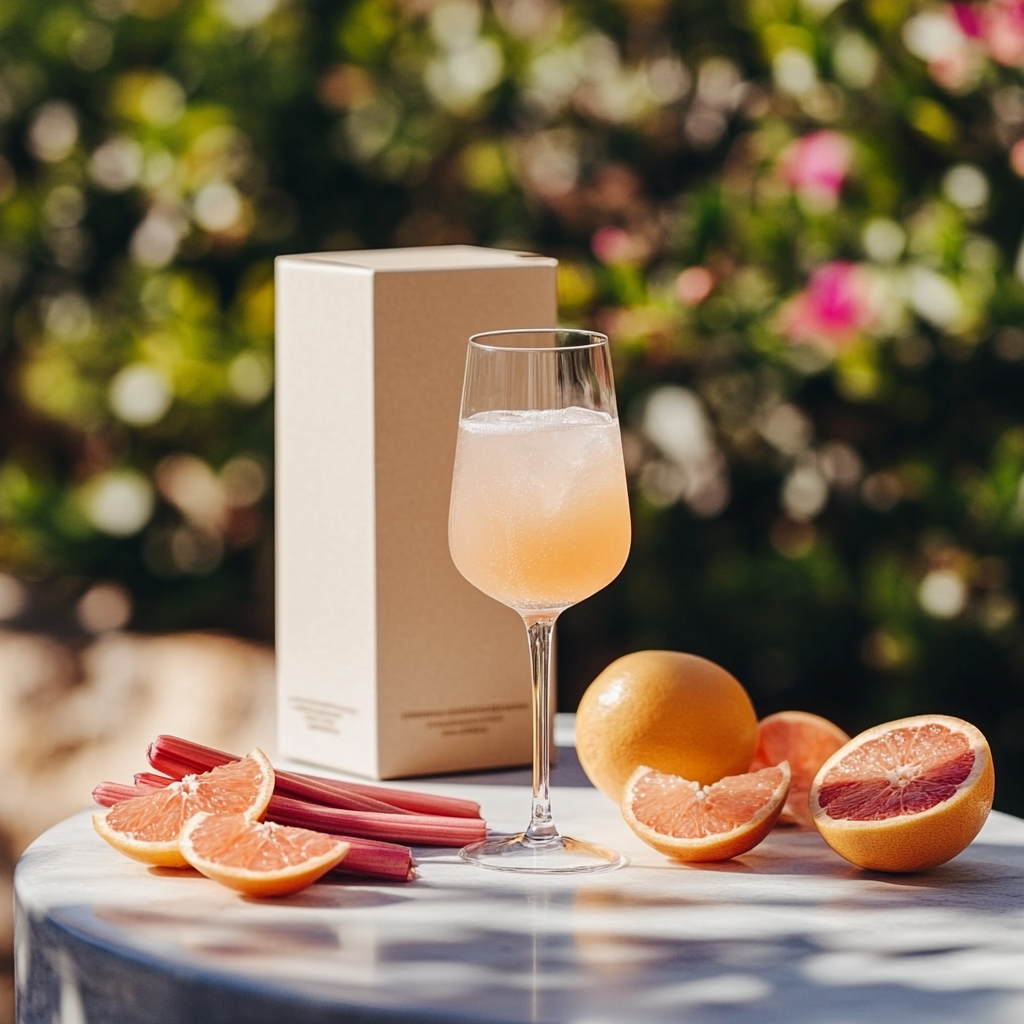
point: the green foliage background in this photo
(798, 222)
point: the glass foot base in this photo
(557, 856)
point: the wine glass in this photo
(539, 520)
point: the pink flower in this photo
(1017, 158)
(1003, 28)
(832, 310)
(816, 166)
(969, 19)
(693, 285)
(951, 40)
(615, 246)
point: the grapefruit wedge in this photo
(146, 828)
(907, 795)
(806, 741)
(258, 858)
(690, 822)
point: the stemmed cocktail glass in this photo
(539, 520)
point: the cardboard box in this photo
(389, 662)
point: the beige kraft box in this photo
(389, 662)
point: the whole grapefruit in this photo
(675, 713)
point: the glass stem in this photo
(542, 828)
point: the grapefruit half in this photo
(690, 822)
(907, 795)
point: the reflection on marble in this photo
(788, 933)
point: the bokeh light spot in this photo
(90, 46)
(693, 285)
(882, 491)
(942, 594)
(155, 241)
(934, 297)
(794, 72)
(244, 481)
(53, 131)
(250, 378)
(804, 492)
(192, 486)
(693, 467)
(966, 186)
(668, 79)
(104, 607)
(787, 428)
(855, 60)
(13, 597)
(117, 164)
(64, 207)
(246, 13)
(883, 240)
(217, 206)
(68, 317)
(140, 394)
(8, 180)
(455, 23)
(161, 101)
(119, 502)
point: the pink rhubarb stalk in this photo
(150, 780)
(418, 829)
(179, 757)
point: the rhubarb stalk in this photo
(179, 757)
(418, 829)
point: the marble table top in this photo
(788, 933)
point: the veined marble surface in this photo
(789, 933)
